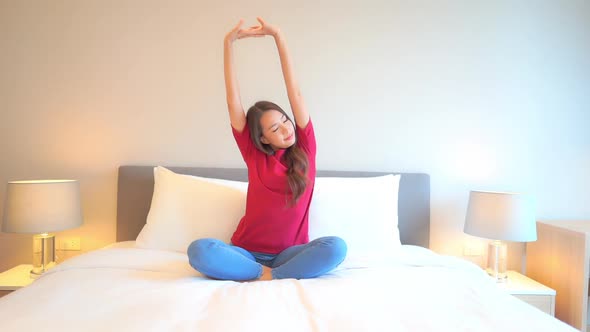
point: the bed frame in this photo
(136, 186)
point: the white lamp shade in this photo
(42, 206)
(501, 216)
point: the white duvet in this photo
(122, 288)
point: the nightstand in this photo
(530, 291)
(560, 259)
(15, 278)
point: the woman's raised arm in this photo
(293, 92)
(232, 90)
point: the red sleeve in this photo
(244, 142)
(306, 139)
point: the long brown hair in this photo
(294, 158)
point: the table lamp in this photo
(40, 207)
(500, 216)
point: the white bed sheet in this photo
(123, 288)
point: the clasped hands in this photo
(264, 29)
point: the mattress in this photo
(124, 288)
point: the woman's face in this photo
(277, 130)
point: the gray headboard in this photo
(136, 186)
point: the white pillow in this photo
(242, 186)
(185, 208)
(362, 211)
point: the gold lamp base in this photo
(43, 254)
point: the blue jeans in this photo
(218, 260)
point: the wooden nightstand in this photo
(560, 259)
(15, 278)
(530, 291)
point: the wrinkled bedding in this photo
(123, 288)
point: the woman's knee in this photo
(199, 250)
(336, 245)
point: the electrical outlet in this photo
(72, 243)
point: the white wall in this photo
(479, 94)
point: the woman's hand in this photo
(255, 31)
(264, 29)
(235, 32)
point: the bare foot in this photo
(266, 273)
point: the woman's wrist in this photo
(229, 38)
(277, 34)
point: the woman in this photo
(271, 240)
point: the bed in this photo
(143, 283)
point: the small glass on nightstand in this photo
(15, 278)
(530, 291)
